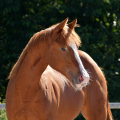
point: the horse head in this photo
(63, 56)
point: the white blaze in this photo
(82, 69)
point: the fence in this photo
(112, 106)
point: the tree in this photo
(99, 31)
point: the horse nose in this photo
(81, 78)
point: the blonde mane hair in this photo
(45, 36)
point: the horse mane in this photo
(44, 36)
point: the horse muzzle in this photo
(81, 81)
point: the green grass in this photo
(3, 115)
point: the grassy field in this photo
(3, 115)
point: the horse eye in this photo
(63, 49)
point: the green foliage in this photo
(99, 31)
(3, 115)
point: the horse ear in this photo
(72, 24)
(61, 25)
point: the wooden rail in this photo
(112, 106)
(2, 106)
(115, 105)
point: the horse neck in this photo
(31, 65)
(34, 64)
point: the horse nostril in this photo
(79, 80)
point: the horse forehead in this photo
(73, 46)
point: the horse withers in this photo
(27, 97)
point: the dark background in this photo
(99, 31)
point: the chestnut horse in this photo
(34, 93)
(91, 101)
(27, 97)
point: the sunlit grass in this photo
(3, 115)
